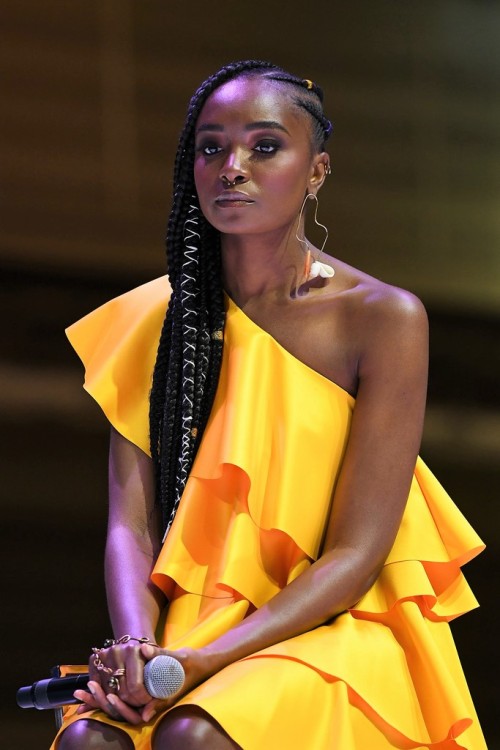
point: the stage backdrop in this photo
(93, 96)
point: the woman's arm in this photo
(134, 603)
(133, 541)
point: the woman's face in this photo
(249, 131)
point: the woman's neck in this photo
(256, 266)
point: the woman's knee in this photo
(190, 728)
(87, 734)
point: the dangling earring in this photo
(314, 268)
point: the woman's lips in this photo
(233, 204)
(229, 199)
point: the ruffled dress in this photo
(385, 674)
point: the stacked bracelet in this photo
(126, 638)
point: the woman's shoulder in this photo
(377, 327)
(373, 302)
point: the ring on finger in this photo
(114, 680)
(114, 683)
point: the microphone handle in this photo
(163, 677)
(52, 692)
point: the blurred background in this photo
(94, 95)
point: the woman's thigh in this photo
(87, 734)
(191, 728)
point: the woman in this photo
(311, 569)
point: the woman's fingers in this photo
(112, 705)
(87, 699)
(149, 651)
(132, 688)
(117, 709)
(151, 709)
(121, 711)
(120, 669)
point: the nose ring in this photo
(228, 183)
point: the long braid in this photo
(190, 348)
(189, 355)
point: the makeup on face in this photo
(253, 157)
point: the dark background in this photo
(94, 94)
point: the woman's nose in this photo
(234, 170)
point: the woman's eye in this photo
(209, 149)
(266, 147)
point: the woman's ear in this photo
(319, 171)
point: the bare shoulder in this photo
(379, 307)
(378, 336)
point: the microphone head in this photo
(163, 676)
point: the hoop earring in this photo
(314, 268)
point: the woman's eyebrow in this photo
(267, 125)
(259, 125)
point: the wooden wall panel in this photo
(96, 92)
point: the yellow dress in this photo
(384, 674)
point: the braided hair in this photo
(189, 354)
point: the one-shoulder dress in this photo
(384, 674)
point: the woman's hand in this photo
(116, 682)
(132, 702)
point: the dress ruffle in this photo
(117, 343)
(252, 519)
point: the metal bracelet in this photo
(126, 638)
(98, 664)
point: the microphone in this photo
(163, 676)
